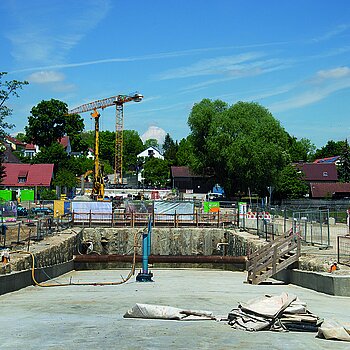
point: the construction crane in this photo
(118, 101)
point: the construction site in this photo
(169, 273)
(85, 283)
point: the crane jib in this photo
(106, 102)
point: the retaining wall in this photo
(172, 241)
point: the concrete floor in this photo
(91, 317)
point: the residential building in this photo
(27, 175)
(184, 180)
(150, 152)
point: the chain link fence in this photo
(21, 233)
(313, 226)
(343, 245)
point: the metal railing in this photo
(343, 248)
(132, 219)
(26, 230)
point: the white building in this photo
(150, 152)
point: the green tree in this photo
(46, 193)
(7, 89)
(331, 149)
(151, 142)
(344, 166)
(107, 146)
(52, 154)
(65, 178)
(170, 149)
(185, 154)
(156, 172)
(300, 150)
(132, 146)
(49, 122)
(244, 145)
(290, 184)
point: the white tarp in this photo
(332, 329)
(149, 311)
(168, 208)
(99, 210)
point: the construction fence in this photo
(313, 226)
(343, 248)
(23, 232)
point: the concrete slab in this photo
(76, 317)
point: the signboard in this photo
(211, 207)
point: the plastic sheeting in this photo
(149, 311)
(332, 329)
(99, 210)
(169, 208)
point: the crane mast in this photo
(118, 101)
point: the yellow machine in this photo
(118, 101)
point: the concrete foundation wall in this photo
(320, 282)
(171, 241)
(17, 280)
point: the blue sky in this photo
(290, 56)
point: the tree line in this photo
(243, 147)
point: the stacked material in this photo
(283, 312)
(280, 313)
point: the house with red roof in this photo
(318, 172)
(31, 150)
(65, 142)
(27, 175)
(330, 190)
(334, 159)
(15, 144)
(322, 177)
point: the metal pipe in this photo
(145, 252)
(210, 259)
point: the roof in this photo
(15, 141)
(64, 141)
(318, 172)
(327, 160)
(150, 149)
(321, 190)
(37, 174)
(30, 147)
(9, 157)
(182, 171)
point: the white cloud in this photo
(45, 77)
(335, 73)
(310, 96)
(332, 33)
(154, 132)
(240, 71)
(218, 65)
(47, 33)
